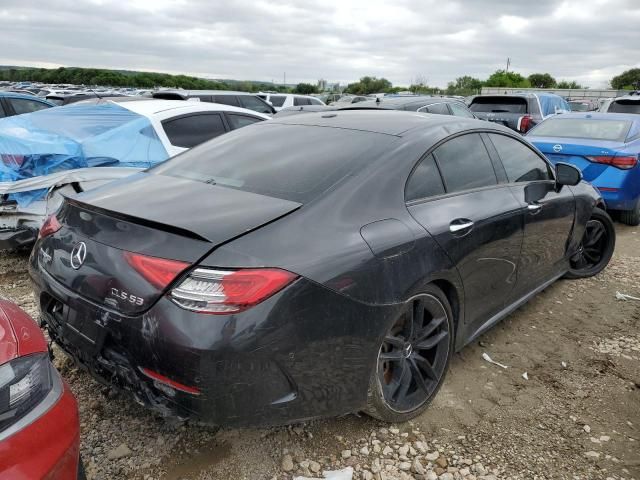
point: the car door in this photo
(187, 131)
(548, 214)
(475, 219)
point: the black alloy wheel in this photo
(412, 359)
(596, 247)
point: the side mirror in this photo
(567, 174)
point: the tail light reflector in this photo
(159, 272)
(162, 382)
(50, 226)
(525, 123)
(229, 291)
(624, 162)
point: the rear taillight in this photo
(229, 291)
(624, 162)
(50, 226)
(159, 272)
(525, 123)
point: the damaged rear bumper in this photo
(276, 363)
(11, 239)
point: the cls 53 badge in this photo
(126, 296)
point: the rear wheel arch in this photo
(453, 297)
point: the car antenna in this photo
(95, 93)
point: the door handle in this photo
(534, 207)
(455, 227)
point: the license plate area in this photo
(76, 326)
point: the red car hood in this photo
(19, 333)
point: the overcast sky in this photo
(340, 40)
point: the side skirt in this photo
(506, 311)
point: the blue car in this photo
(18, 103)
(605, 147)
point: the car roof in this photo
(205, 92)
(24, 96)
(388, 122)
(634, 117)
(634, 97)
(397, 102)
(149, 107)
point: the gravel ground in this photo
(576, 415)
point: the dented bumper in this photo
(278, 362)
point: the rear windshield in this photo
(615, 130)
(499, 105)
(293, 162)
(625, 106)
(579, 107)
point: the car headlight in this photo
(24, 383)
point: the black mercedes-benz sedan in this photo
(311, 266)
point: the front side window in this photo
(226, 100)
(239, 121)
(254, 103)
(192, 130)
(298, 101)
(465, 164)
(520, 162)
(277, 100)
(22, 105)
(425, 181)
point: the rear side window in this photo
(315, 101)
(277, 100)
(465, 164)
(460, 110)
(425, 181)
(193, 130)
(297, 101)
(520, 162)
(437, 108)
(2, 114)
(226, 100)
(239, 121)
(625, 106)
(22, 105)
(254, 103)
(499, 105)
(266, 159)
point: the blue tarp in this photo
(75, 136)
(551, 104)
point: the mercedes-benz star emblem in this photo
(557, 148)
(78, 255)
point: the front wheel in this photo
(596, 247)
(413, 358)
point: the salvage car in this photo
(69, 149)
(605, 147)
(344, 285)
(518, 111)
(39, 426)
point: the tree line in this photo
(465, 85)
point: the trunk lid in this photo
(562, 150)
(152, 215)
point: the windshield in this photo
(499, 105)
(292, 162)
(625, 106)
(595, 129)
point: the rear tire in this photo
(631, 217)
(413, 358)
(596, 247)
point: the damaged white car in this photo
(65, 150)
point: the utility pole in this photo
(508, 63)
(284, 79)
